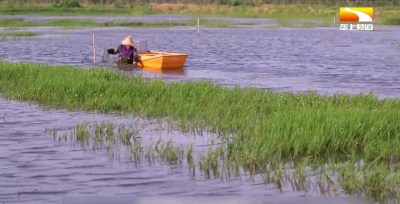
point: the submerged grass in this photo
(120, 138)
(217, 161)
(16, 35)
(261, 130)
(19, 22)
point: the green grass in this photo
(25, 9)
(16, 35)
(261, 131)
(275, 11)
(395, 20)
(283, 22)
(285, 14)
(19, 34)
(219, 161)
(109, 135)
(89, 23)
(303, 23)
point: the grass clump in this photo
(68, 4)
(395, 20)
(16, 35)
(89, 23)
(121, 138)
(19, 34)
(17, 22)
(262, 131)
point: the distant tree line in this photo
(78, 3)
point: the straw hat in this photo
(127, 41)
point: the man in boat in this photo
(127, 53)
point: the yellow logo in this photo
(356, 14)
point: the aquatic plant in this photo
(216, 161)
(114, 139)
(261, 130)
(16, 35)
(18, 22)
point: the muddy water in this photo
(34, 168)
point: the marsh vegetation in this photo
(17, 35)
(384, 11)
(19, 22)
(339, 143)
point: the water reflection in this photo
(143, 70)
(113, 63)
(180, 72)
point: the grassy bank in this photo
(275, 11)
(74, 10)
(19, 34)
(89, 23)
(394, 20)
(261, 130)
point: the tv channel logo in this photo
(356, 14)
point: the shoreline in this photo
(266, 11)
(285, 15)
(64, 23)
(71, 22)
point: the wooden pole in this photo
(334, 20)
(198, 25)
(170, 22)
(94, 51)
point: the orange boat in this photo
(162, 60)
(156, 60)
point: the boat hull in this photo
(162, 60)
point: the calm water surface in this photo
(35, 168)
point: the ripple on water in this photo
(40, 169)
(315, 54)
(37, 168)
